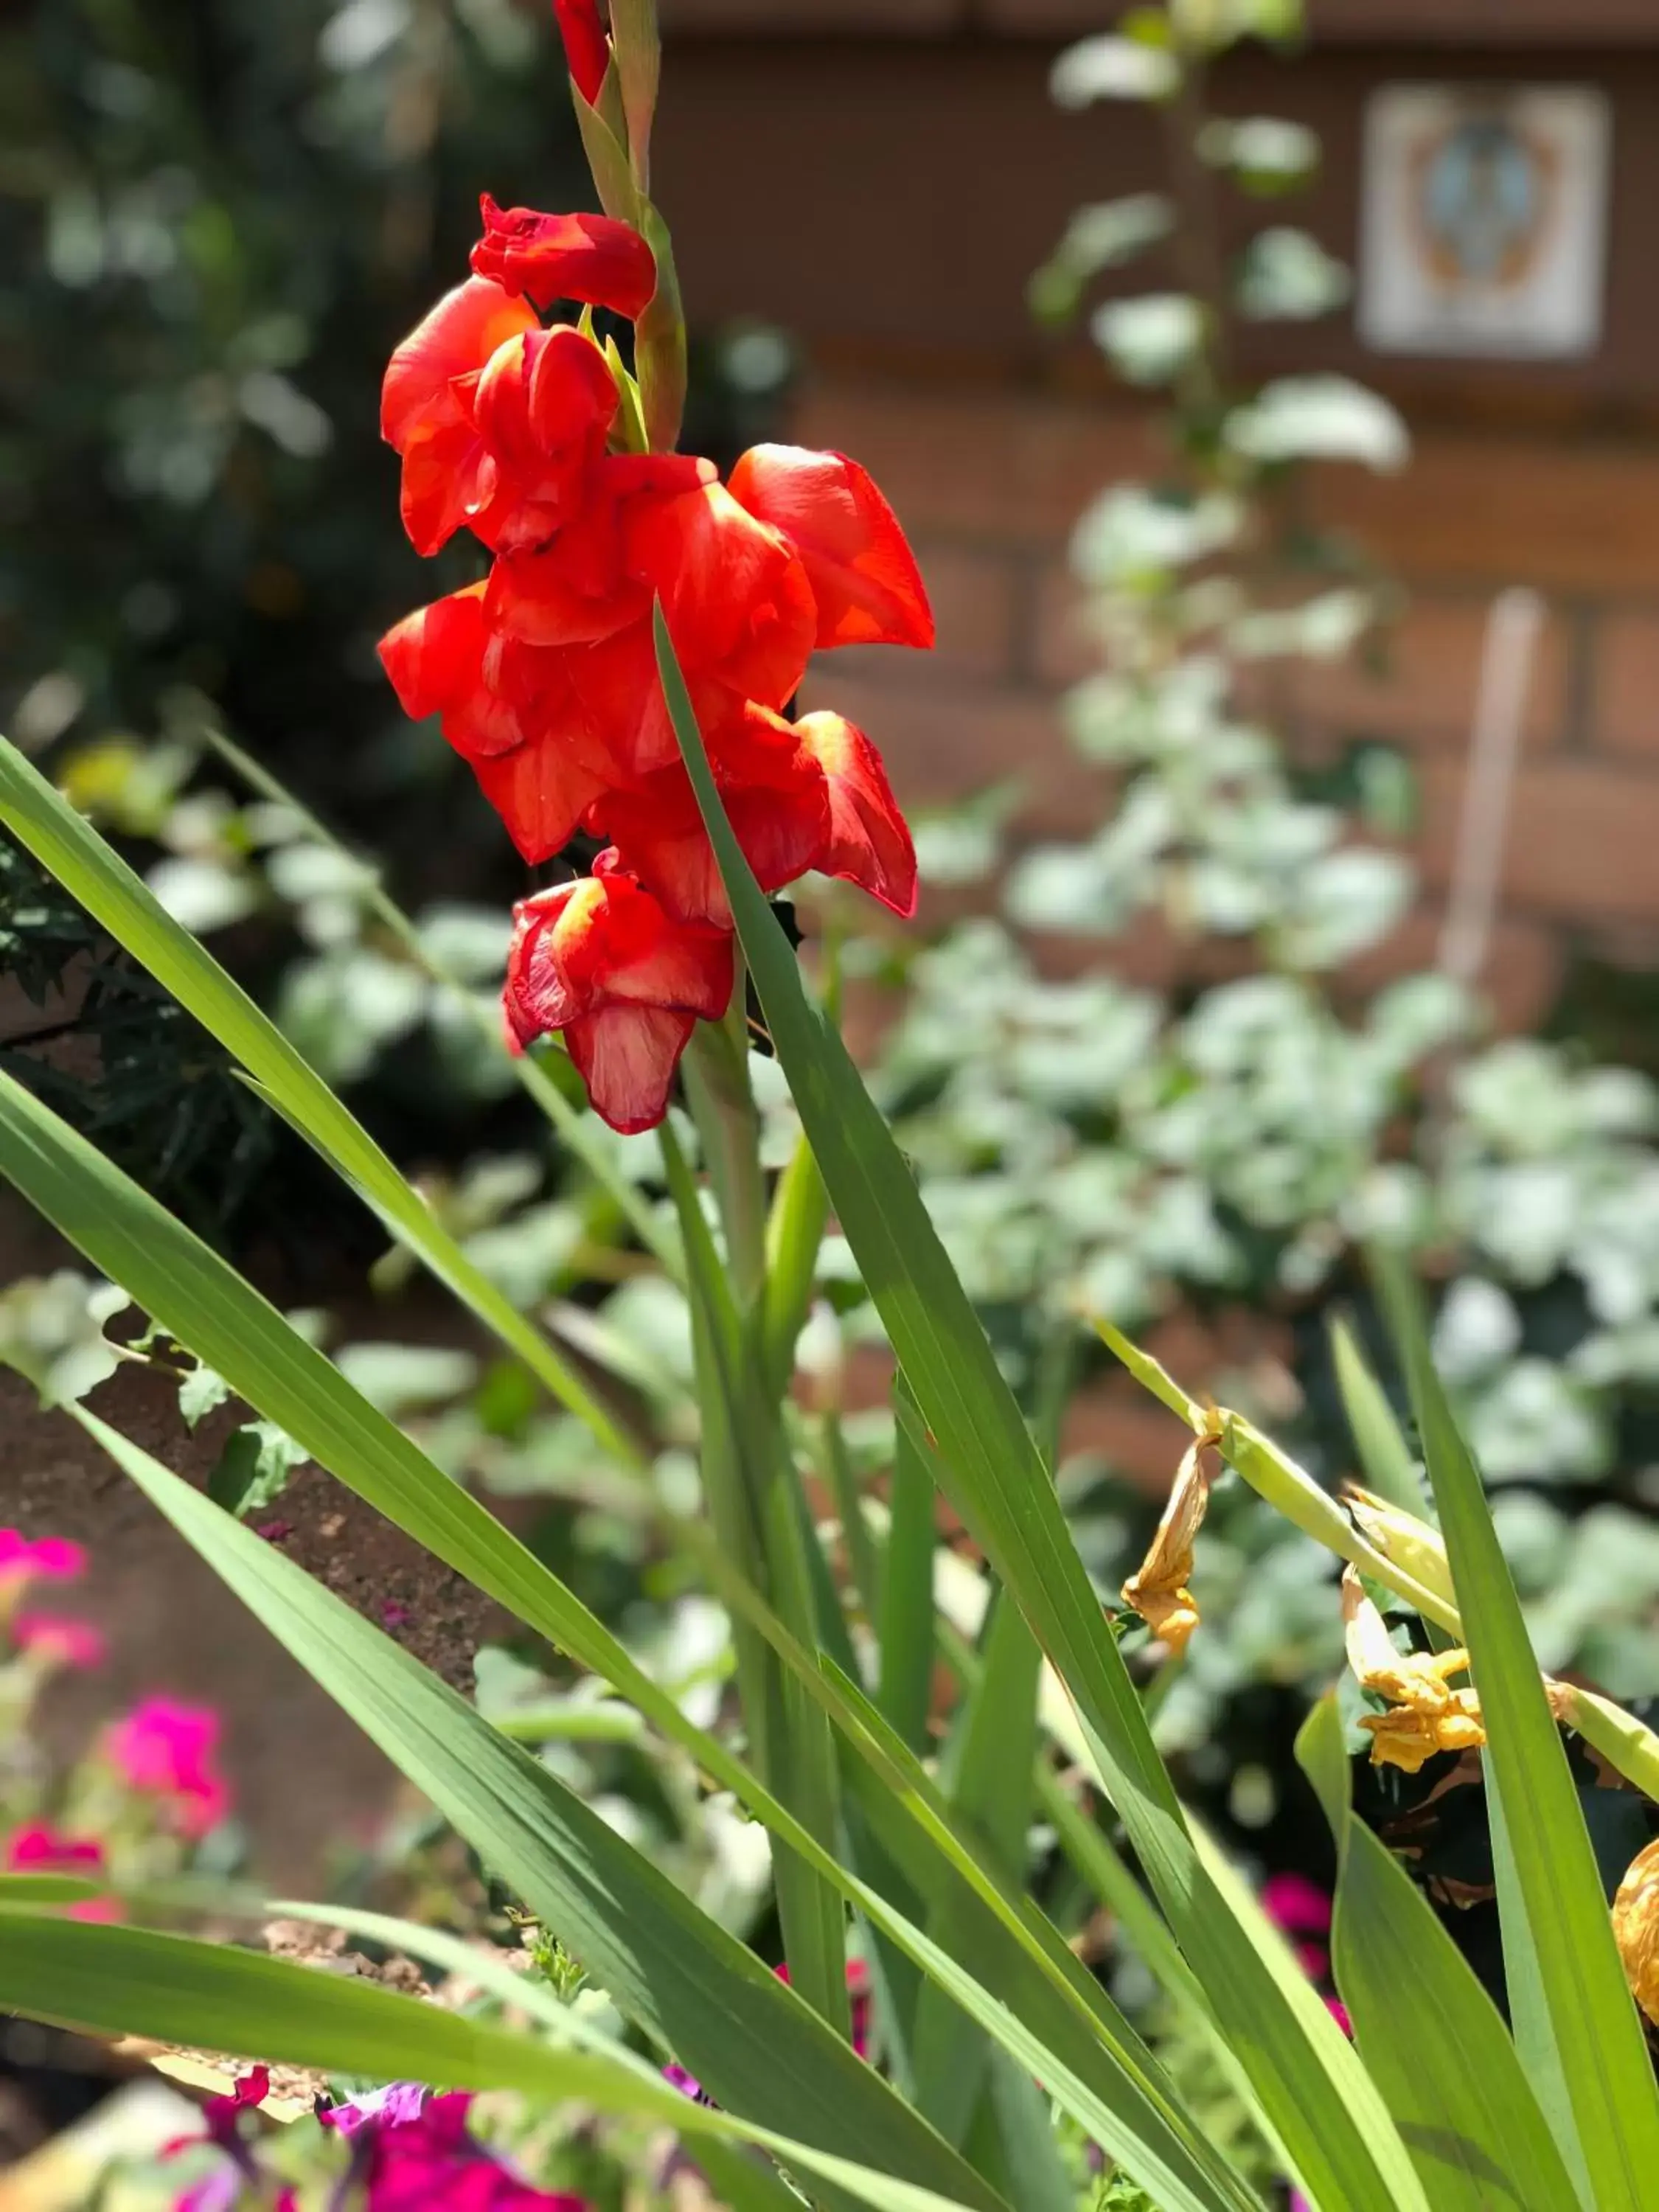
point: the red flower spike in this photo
(590, 258)
(736, 596)
(601, 961)
(586, 50)
(864, 575)
(427, 407)
(777, 799)
(869, 842)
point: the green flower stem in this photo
(723, 1106)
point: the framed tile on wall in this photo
(1484, 220)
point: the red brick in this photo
(1423, 687)
(1003, 466)
(810, 18)
(976, 599)
(942, 742)
(1568, 515)
(1583, 841)
(1519, 978)
(1625, 702)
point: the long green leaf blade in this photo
(200, 1299)
(754, 2043)
(116, 1981)
(1310, 2084)
(1556, 1894)
(1430, 2036)
(68, 846)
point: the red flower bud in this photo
(587, 52)
(591, 257)
(864, 575)
(599, 960)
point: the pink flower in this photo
(394, 1614)
(39, 1849)
(1298, 1905)
(166, 1749)
(411, 2153)
(222, 2188)
(51, 1559)
(56, 1639)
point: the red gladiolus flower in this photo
(864, 575)
(586, 51)
(590, 258)
(506, 707)
(600, 960)
(498, 420)
(427, 406)
(869, 842)
(582, 587)
(775, 795)
(805, 795)
(735, 594)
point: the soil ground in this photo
(303, 1774)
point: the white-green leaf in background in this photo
(1319, 418)
(1108, 68)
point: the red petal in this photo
(627, 1056)
(737, 597)
(447, 475)
(587, 52)
(457, 336)
(537, 996)
(541, 790)
(434, 657)
(591, 257)
(544, 405)
(775, 795)
(869, 842)
(864, 575)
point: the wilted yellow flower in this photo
(1427, 1714)
(1635, 1928)
(1158, 1590)
(1402, 1538)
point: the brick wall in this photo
(988, 485)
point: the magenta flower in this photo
(40, 1849)
(49, 1559)
(58, 1639)
(410, 2152)
(166, 1750)
(1298, 1905)
(221, 2189)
